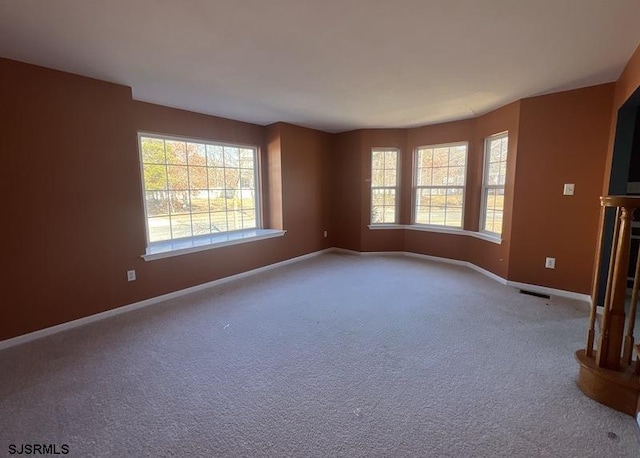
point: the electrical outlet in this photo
(550, 263)
(131, 275)
(325, 234)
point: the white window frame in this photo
(194, 243)
(396, 187)
(486, 186)
(416, 187)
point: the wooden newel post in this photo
(608, 376)
(610, 347)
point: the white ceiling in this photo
(333, 65)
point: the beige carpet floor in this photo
(338, 355)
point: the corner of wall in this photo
(273, 177)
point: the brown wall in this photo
(548, 137)
(72, 180)
(272, 179)
(71, 186)
(430, 243)
(563, 139)
(450, 132)
(345, 193)
(491, 256)
(485, 254)
(305, 154)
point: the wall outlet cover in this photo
(569, 189)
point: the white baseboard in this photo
(145, 303)
(382, 253)
(427, 257)
(470, 265)
(345, 251)
(154, 300)
(550, 291)
(488, 273)
(458, 262)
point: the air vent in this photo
(533, 293)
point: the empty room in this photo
(319, 228)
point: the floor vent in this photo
(532, 293)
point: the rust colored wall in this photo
(561, 130)
(450, 132)
(434, 244)
(71, 161)
(345, 193)
(71, 183)
(431, 243)
(563, 139)
(305, 155)
(71, 155)
(272, 179)
(491, 256)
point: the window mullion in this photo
(179, 163)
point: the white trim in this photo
(550, 291)
(427, 257)
(503, 281)
(154, 300)
(382, 253)
(396, 188)
(458, 262)
(180, 138)
(256, 179)
(438, 230)
(416, 170)
(380, 226)
(171, 248)
(487, 237)
(487, 273)
(485, 186)
(444, 145)
(144, 303)
(345, 251)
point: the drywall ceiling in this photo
(329, 64)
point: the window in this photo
(495, 171)
(440, 176)
(195, 188)
(384, 186)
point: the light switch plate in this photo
(569, 189)
(550, 263)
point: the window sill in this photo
(493, 238)
(169, 248)
(439, 230)
(386, 226)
